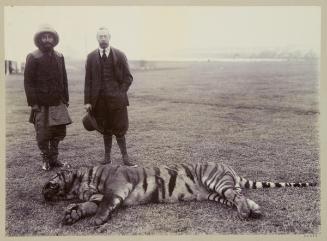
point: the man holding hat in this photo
(46, 88)
(107, 80)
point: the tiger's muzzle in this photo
(51, 192)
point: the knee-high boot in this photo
(121, 141)
(107, 139)
(54, 162)
(44, 148)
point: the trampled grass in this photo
(259, 117)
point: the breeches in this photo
(45, 134)
(114, 121)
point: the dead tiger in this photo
(104, 188)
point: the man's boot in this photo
(121, 141)
(107, 139)
(44, 148)
(45, 161)
(54, 162)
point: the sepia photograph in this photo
(218, 130)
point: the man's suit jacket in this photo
(93, 77)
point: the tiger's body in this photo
(104, 188)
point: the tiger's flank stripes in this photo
(188, 188)
(160, 184)
(103, 178)
(97, 176)
(64, 180)
(90, 176)
(172, 181)
(145, 182)
(188, 172)
(213, 181)
(71, 183)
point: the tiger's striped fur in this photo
(104, 188)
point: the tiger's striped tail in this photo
(248, 184)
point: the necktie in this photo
(104, 56)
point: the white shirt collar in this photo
(107, 51)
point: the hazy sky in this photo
(155, 32)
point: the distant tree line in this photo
(289, 54)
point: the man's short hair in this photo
(103, 29)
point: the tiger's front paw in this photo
(72, 214)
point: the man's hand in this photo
(36, 108)
(88, 107)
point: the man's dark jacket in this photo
(44, 86)
(119, 88)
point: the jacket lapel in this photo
(114, 56)
(97, 56)
(114, 60)
(98, 63)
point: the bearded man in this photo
(46, 88)
(107, 80)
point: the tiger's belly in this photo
(164, 192)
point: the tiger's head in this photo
(59, 186)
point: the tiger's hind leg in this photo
(106, 207)
(224, 181)
(254, 207)
(77, 211)
(237, 199)
(225, 187)
(114, 196)
(217, 198)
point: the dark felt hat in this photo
(90, 123)
(45, 29)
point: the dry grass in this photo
(259, 117)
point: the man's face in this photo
(47, 41)
(103, 38)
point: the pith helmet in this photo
(45, 29)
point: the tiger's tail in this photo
(248, 184)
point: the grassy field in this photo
(259, 117)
